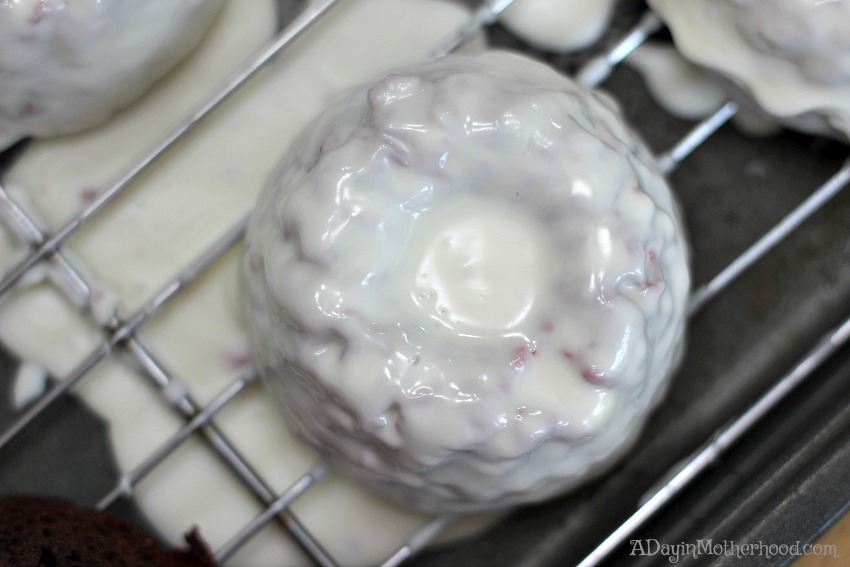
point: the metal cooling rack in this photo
(120, 334)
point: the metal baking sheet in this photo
(785, 482)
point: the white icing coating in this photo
(175, 210)
(67, 65)
(792, 56)
(558, 25)
(467, 301)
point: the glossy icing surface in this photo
(468, 302)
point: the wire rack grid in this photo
(121, 334)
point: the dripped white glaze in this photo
(68, 65)
(174, 212)
(683, 89)
(558, 25)
(30, 384)
(691, 92)
(792, 56)
(468, 302)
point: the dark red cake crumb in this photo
(38, 531)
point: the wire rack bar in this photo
(223, 448)
(188, 408)
(125, 331)
(599, 68)
(130, 479)
(773, 237)
(668, 161)
(18, 220)
(318, 472)
(721, 442)
(70, 280)
(418, 541)
(486, 14)
(124, 335)
(54, 393)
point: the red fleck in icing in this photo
(524, 411)
(88, 193)
(519, 360)
(36, 15)
(399, 159)
(521, 357)
(589, 372)
(237, 361)
(397, 417)
(254, 263)
(30, 109)
(329, 144)
(594, 376)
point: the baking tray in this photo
(784, 482)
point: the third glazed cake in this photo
(791, 56)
